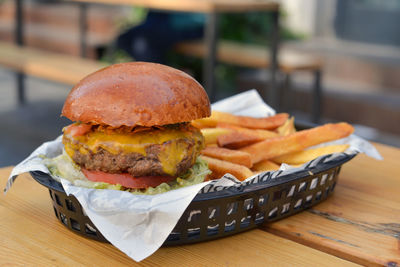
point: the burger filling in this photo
(135, 158)
(169, 150)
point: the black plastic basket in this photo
(218, 214)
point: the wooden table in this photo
(359, 224)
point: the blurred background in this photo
(338, 60)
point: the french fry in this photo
(304, 156)
(242, 136)
(287, 128)
(233, 156)
(298, 141)
(210, 177)
(262, 134)
(204, 123)
(235, 140)
(220, 167)
(211, 134)
(212, 145)
(267, 123)
(265, 165)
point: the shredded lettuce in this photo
(63, 166)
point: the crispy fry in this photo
(204, 123)
(298, 141)
(220, 167)
(242, 136)
(265, 165)
(263, 134)
(267, 123)
(287, 128)
(235, 140)
(211, 176)
(211, 134)
(233, 156)
(309, 154)
(212, 145)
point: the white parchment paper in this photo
(139, 224)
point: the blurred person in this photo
(151, 40)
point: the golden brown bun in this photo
(137, 93)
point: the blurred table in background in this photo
(210, 49)
(213, 8)
(210, 7)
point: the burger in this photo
(132, 130)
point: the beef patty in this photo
(172, 157)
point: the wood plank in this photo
(360, 222)
(204, 6)
(31, 235)
(47, 65)
(252, 56)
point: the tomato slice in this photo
(126, 180)
(78, 129)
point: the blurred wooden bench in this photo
(47, 65)
(254, 56)
(69, 69)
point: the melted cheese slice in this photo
(116, 142)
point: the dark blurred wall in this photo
(369, 21)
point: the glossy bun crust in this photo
(137, 93)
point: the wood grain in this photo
(48, 65)
(32, 235)
(205, 6)
(252, 56)
(361, 221)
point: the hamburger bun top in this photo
(137, 93)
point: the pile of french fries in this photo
(244, 146)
